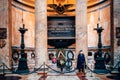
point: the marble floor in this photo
(57, 76)
(51, 74)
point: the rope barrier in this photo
(7, 67)
(60, 71)
(89, 68)
(20, 73)
(94, 71)
(36, 69)
(70, 71)
(43, 65)
(1, 65)
(53, 69)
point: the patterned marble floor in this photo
(78, 76)
(59, 76)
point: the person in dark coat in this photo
(80, 61)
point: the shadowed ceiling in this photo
(89, 2)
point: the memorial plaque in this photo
(61, 27)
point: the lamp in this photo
(99, 60)
(22, 66)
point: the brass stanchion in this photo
(44, 70)
(3, 70)
(44, 73)
(91, 71)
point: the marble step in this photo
(62, 78)
(114, 72)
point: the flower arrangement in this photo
(60, 58)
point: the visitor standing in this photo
(81, 61)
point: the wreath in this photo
(68, 64)
(60, 54)
(107, 58)
(58, 50)
(15, 55)
(70, 52)
(32, 55)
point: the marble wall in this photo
(19, 14)
(4, 23)
(101, 12)
(29, 21)
(92, 20)
(116, 20)
(23, 15)
(13, 23)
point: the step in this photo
(114, 72)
